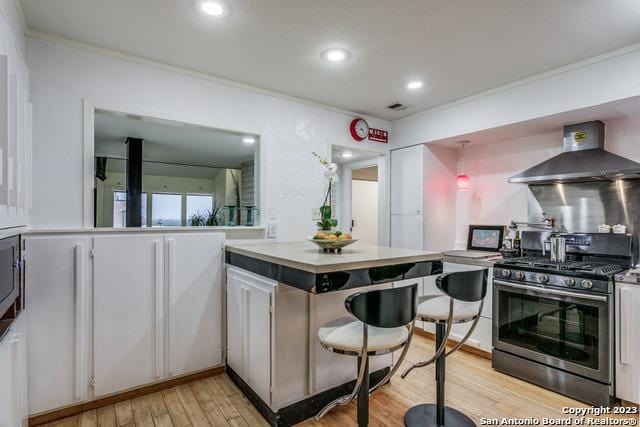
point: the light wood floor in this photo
(472, 387)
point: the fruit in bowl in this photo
(332, 241)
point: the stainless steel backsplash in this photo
(581, 207)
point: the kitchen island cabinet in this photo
(279, 295)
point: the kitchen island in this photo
(279, 294)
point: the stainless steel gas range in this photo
(553, 322)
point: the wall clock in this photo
(359, 129)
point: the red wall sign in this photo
(378, 135)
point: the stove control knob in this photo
(569, 281)
(587, 284)
(519, 275)
(506, 273)
(543, 278)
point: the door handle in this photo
(551, 291)
(624, 321)
(80, 314)
(171, 246)
(158, 281)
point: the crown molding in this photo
(20, 12)
(52, 38)
(528, 80)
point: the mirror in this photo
(158, 173)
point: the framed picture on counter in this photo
(485, 238)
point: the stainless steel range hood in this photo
(584, 159)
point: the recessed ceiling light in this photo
(416, 84)
(248, 140)
(336, 54)
(213, 8)
(346, 155)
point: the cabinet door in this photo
(128, 343)
(57, 272)
(257, 344)
(406, 231)
(6, 383)
(235, 320)
(194, 281)
(627, 343)
(19, 343)
(406, 180)
(249, 325)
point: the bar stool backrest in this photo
(384, 308)
(470, 286)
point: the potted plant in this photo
(327, 222)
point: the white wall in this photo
(364, 210)
(492, 200)
(291, 179)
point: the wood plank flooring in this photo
(472, 387)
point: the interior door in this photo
(128, 311)
(194, 276)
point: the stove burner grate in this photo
(573, 266)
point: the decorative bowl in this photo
(332, 245)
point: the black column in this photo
(134, 182)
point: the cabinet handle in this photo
(171, 271)
(624, 321)
(80, 353)
(245, 333)
(158, 275)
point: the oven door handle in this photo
(551, 291)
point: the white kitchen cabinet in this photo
(7, 391)
(194, 280)
(57, 275)
(13, 375)
(406, 176)
(423, 196)
(129, 308)
(406, 231)
(250, 301)
(15, 132)
(152, 309)
(627, 342)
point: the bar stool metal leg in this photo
(363, 395)
(430, 415)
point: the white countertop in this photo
(304, 255)
(107, 230)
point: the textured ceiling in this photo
(458, 47)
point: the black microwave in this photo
(9, 272)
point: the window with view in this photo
(166, 210)
(199, 206)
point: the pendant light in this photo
(462, 180)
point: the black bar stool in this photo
(383, 323)
(462, 303)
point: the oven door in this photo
(567, 330)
